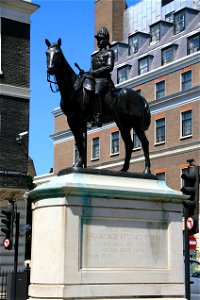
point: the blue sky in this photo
(73, 22)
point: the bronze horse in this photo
(129, 110)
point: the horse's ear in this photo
(59, 42)
(47, 42)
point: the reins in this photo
(54, 82)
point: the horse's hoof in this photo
(124, 169)
(77, 165)
(147, 171)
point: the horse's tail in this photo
(147, 116)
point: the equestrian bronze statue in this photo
(92, 97)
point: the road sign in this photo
(192, 243)
(189, 223)
(6, 243)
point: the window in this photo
(179, 22)
(155, 33)
(170, 17)
(186, 128)
(160, 89)
(161, 176)
(116, 52)
(122, 73)
(167, 55)
(136, 141)
(76, 156)
(160, 130)
(144, 64)
(194, 43)
(115, 142)
(95, 148)
(186, 80)
(132, 45)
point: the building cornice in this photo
(175, 100)
(161, 71)
(154, 155)
(13, 91)
(17, 10)
(66, 135)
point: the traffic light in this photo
(7, 229)
(191, 188)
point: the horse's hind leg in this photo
(125, 129)
(145, 146)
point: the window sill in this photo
(159, 143)
(94, 159)
(114, 154)
(136, 149)
(186, 137)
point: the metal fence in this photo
(3, 285)
(7, 290)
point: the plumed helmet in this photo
(102, 33)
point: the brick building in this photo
(14, 112)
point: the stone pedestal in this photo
(99, 236)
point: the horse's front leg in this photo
(145, 147)
(78, 132)
(80, 143)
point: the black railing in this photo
(13, 179)
(7, 291)
(3, 285)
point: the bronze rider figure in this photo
(101, 68)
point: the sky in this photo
(73, 22)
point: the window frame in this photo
(182, 126)
(171, 48)
(126, 68)
(148, 58)
(75, 151)
(156, 92)
(156, 34)
(188, 40)
(115, 49)
(136, 141)
(132, 45)
(183, 83)
(176, 15)
(157, 142)
(112, 140)
(93, 150)
(161, 173)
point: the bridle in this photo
(54, 82)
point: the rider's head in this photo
(102, 37)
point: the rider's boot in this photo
(98, 119)
(98, 110)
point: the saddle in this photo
(85, 81)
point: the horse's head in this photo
(54, 56)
